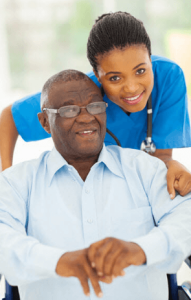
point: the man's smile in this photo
(87, 133)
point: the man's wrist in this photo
(60, 264)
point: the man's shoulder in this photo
(127, 158)
(25, 170)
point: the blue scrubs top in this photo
(171, 125)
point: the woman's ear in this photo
(97, 75)
(43, 119)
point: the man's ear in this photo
(43, 119)
(97, 76)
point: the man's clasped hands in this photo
(102, 261)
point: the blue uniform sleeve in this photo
(24, 113)
(171, 124)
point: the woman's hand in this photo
(178, 178)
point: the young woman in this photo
(119, 51)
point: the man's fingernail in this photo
(93, 264)
(100, 274)
(122, 273)
(100, 295)
(113, 276)
(87, 294)
(171, 196)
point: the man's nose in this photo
(131, 86)
(84, 116)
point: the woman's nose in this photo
(84, 116)
(131, 86)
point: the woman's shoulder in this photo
(92, 76)
(167, 75)
(163, 66)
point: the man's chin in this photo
(89, 150)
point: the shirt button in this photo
(87, 191)
(90, 221)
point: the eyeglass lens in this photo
(74, 110)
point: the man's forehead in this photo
(75, 86)
(73, 89)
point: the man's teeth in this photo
(133, 98)
(88, 131)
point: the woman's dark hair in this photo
(115, 30)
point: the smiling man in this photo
(77, 134)
(85, 212)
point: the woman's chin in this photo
(133, 108)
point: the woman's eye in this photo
(114, 78)
(140, 71)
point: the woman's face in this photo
(126, 76)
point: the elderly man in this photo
(85, 211)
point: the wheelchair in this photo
(175, 292)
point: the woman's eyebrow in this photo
(139, 65)
(113, 72)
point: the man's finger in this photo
(106, 279)
(94, 279)
(100, 256)
(110, 259)
(121, 263)
(92, 250)
(83, 278)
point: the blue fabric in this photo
(171, 125)
(46, 210)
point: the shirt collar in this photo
(56, 161)
(111, 161)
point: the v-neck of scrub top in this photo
(130, 130)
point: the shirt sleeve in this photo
(171, 124)
(24, 113)
(169, 242)
(23, 258)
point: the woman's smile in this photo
(133, 100)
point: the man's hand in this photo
(76, 264)
(110, 256)
(178, 178)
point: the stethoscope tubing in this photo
(147, 145)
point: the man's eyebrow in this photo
(69, 102)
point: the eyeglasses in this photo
(72, 111)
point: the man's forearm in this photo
(25, 259)
(8, 138)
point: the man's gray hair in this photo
(63, 76)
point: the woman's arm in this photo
(178, 176)
(8, 138)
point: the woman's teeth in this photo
(133, 98)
